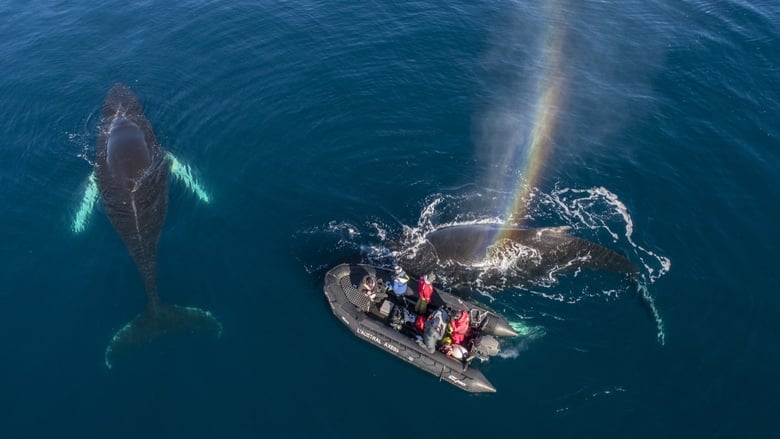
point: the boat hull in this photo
(367, 321)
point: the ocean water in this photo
(321, 130)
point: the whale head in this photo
(127, 153)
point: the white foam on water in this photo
(513, 351)
(599, 209)
(349, 229)
(506, 253)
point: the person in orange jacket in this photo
(425, 291)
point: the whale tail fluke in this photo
(158, 320)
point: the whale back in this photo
(519, 252)
(132, 171)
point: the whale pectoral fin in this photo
(648, 303)
(88, 201)
(183, 173)
(160, 320)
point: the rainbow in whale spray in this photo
(537, 142)
(545, 114)
(516, 132)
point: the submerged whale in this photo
(522, 254)
(131, 173)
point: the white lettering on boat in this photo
(376, 340)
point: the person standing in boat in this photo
(400, 279)
(425, 291)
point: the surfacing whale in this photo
(524, 253)
(465, 253)
(131, 174)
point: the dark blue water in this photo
(322, 129)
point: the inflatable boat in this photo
(387, 320)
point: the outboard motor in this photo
(485, 346)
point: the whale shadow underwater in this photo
(491, 254)
(131, 173)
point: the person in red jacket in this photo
(460, 326)
(425, 291)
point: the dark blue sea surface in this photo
(322, 130)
